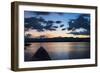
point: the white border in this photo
(23, 64)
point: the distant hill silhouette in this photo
(57, 39)
(41, 55)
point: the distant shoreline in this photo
(57, 40)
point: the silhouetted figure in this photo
(41, 55)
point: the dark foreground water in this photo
(57, 51)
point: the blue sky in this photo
(65, 17)
(56, 16)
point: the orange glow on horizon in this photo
(52, 34)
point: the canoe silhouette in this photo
(41, 55)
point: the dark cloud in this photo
(50, 22)
(62, 25)
(41, 13)
(36, 23)
(40, 24)
(80, 33)
(64, 29)
(58, 22)
(52, 29)
(83, 21)
(55, 26)
(69, 28)
(49, 25)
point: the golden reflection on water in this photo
(60, 49)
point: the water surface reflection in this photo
(58, 51)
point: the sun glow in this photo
(53, 34)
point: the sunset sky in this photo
(56, 24)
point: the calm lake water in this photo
(60, 50)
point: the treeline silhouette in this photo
(57, 39)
